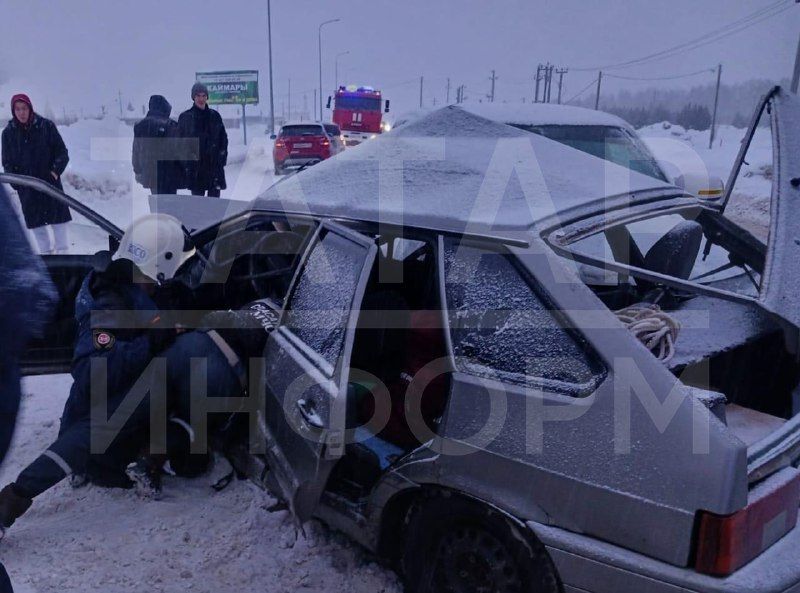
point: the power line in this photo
(586, 88)
(711, 37)
(675, 77)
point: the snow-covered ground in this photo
(109, 541)
(687, 150)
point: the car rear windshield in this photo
(358, 103)
(309, 130)
(611, 143)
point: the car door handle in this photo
(309, 414)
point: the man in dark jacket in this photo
(117, 310)
(32, 146)
(207, 174)
(155, 156)
(26, 297)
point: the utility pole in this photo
(713, 131)
(119, 94)
(546, 88)
(447, 100)
(271, 97)
(315, 102)
(597, 96)
(491, 95)
(561, 72)
(421, 82)
(290, 99)
(550, 84)
(796, 75)
(536, 92)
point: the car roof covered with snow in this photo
(544, 114)
(452, 170)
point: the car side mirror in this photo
(273, 137)
(328, 104)
(705, 187)
(386, 109)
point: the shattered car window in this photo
(321, 304)
(503, 330)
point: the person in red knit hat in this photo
(32, 146)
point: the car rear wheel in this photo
(279, 170)
(454, 545)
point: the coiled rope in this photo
(652, 327)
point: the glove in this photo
(13, 505)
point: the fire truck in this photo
(358, 112)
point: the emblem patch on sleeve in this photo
(103, 339)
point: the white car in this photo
(597, 133)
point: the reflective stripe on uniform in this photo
(58, 460)
(233, 359)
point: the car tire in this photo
(454, 545)
(278, 170)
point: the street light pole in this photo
(336, 66)
(319, 40)
(271, 98)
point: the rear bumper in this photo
(591, 566)
(299, 161)
(354, 138)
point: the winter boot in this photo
(13, 505)
(145, 473)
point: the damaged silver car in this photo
(504, 364)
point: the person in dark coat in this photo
(155, 157)
(32, 146)
(206, 174)
(26, 297)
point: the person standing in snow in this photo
(32, 146)
(206, 175)
(119, 324)
(155, 151)
(27, 295)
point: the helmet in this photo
(157, 245)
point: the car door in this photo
(91, 237)
(779, 292)
(306, 366)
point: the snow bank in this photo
(100, 173)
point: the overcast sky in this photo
(80, 53)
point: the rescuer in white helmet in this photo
(119, 321)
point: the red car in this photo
(304, 144)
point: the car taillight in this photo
(279, 144)
(726, 543)
(325, 142)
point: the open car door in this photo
(307, 361)
(780, 282)
(91, 237)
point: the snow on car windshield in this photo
(309, 130)
(607, 142)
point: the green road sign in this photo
(231, 88)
